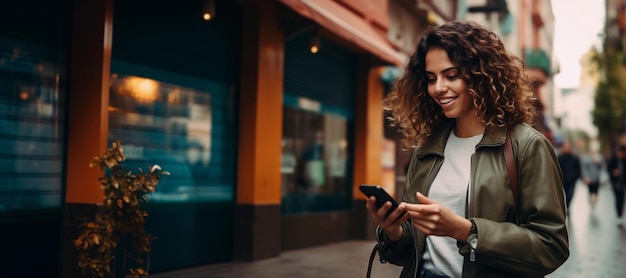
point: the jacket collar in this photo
(436, 143)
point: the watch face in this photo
(472, 240)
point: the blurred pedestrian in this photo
(592, 166)
(615, 168)
(460, 95)
(570, 164)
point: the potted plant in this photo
(120, 221)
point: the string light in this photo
(314, 46)
(208, 12)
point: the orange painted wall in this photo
(261, 105)
(89, 98)
(369, 129)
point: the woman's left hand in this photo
(433, 218)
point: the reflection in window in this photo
(315, 162)
(32, 108)
(181, 129)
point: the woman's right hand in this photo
(389, 223)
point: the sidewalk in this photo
(344, 259)
(597, 249)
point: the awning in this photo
(347, 25)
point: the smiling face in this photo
(446, 87)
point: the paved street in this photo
(597, 246)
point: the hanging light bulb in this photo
(314, 46)
(208, 12)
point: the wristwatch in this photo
(472, 236)
(472, 239)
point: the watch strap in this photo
(473, 228)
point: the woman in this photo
(460, 94)
(592, 166)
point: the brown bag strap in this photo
(512, 169)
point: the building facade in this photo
(527, 31)
(266, 113)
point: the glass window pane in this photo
(180, 128)
(316, 168)
(32, 94)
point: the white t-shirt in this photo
(449, 188)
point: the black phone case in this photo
(381, 196)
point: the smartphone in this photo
(381, 196)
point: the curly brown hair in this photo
(495, 79)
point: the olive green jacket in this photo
(535, 248)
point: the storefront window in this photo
(32, 94)
(316, 170)
(319, 96)
(180, 128)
